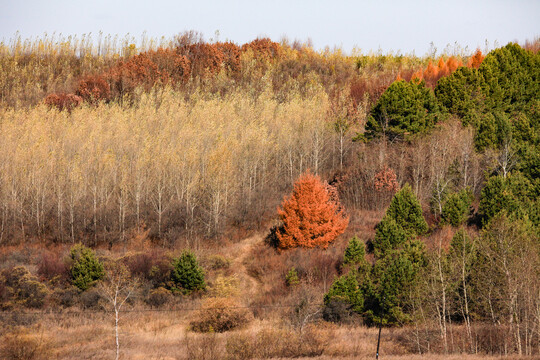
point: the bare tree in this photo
(117, 288)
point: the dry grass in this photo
(164, 335)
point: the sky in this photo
(386, 25)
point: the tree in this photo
(404, 109)
(117, 287)
(345, 291)
(515, 194)
(457, 207)
(186, 273)
(405, 209)
(86, 269)
(311, 216)
(355, 252)
(388, 235)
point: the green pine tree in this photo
(186, 274)
(85, 269)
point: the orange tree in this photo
(311, 216)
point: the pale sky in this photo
(389, 25)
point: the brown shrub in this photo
(205, 59)
(141, 265)
(21, 345)
(93, 89)
(158, 297)
(231, 56)
(264, 49)
(52, 266)
(241, 346)
(220, 315)
(278, 343)
(63, 101)
(22, 288)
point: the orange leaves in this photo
(476, 59)
(432, 73)
(311, 216)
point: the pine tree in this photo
(85, 268)
(186, 273)
(311, 216)
(355, 252)
(405, 209)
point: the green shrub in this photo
(85, 269)
(344, 290)
(186, 274)
(405, 209)
(291, 278)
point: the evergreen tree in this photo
(186, 274)
(85, 269)
(355, 252)
(405, 209)
(514, 194)
(388, 235)
(404, 109)
(457, 207)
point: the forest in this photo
(192, 199)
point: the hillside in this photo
(266, 200)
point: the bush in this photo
(218, 262)
(22, 288)
(85, 268)
(93, 89)
(158, 297)
(63, 101)
(92, 300)
(220, 315)
(406, 210)
(355, 252)
(52, 267)
(346, 289)
(186, 274)
(241, 346)
(291, 278)
(66, 297)
(203, 347)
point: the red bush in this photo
(93, 89)
(51, 266)
(63, 101)
(264, 49)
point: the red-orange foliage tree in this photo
(311, 216)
